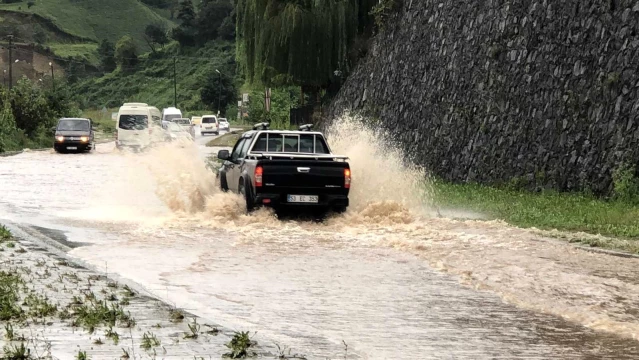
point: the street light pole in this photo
(4, 77)
(174, 83)
(52, 77)
(219, 90)
(10, 62)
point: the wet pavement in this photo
(384, 279)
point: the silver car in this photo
(224, 124)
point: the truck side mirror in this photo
(53, 128)
(223, 155)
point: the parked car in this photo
(286, 169)
(210, 125)
(224, 124)
(74, 134)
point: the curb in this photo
(592, 249)
(606, 251)
(18, 152)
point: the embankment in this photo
(539, 93)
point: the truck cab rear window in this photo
(291, 143)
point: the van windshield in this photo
(133, 122)
(208, 121)
(73, 125)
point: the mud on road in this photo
(387, 278)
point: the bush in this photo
(625, 184)
(28, 112)
(383, 10)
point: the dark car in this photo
(74, 134)
(286, 169)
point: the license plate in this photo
(72, 148)
(303, 199)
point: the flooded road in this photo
(386, 279)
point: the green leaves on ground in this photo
(240, 346)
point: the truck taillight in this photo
(259, 171)
(347, 178)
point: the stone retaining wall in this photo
(543, 93)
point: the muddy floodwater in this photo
(386, 280)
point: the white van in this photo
(209, 125)
(135, 125)
(169, 114)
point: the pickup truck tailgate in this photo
(304, 174)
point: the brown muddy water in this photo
(387, 278)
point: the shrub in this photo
(383, 10)
(625, 184)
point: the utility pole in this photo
(52, 77)
(219, 89)
(174, 82)
(4, 77)
(10, 62)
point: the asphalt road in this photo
(380, 282)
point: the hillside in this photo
(153, 81)
(92, 20)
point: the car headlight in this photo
(59, 138)
(84, 138)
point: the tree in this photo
(7, 123)
(227, 29)
(155, 34)
(106, 53)
(218, 85)
(186, 32)
(285, 38)
(40, 37)
(29, 107)
(210, 18)
(126, 53)
(75, 69)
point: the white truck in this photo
(170, 113)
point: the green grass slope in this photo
(96, 19)
(152, 82)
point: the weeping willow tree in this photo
(301, 42)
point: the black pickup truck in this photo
(286, 169)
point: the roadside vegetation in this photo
(617, 216)
(28, 112)
(226, 140)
